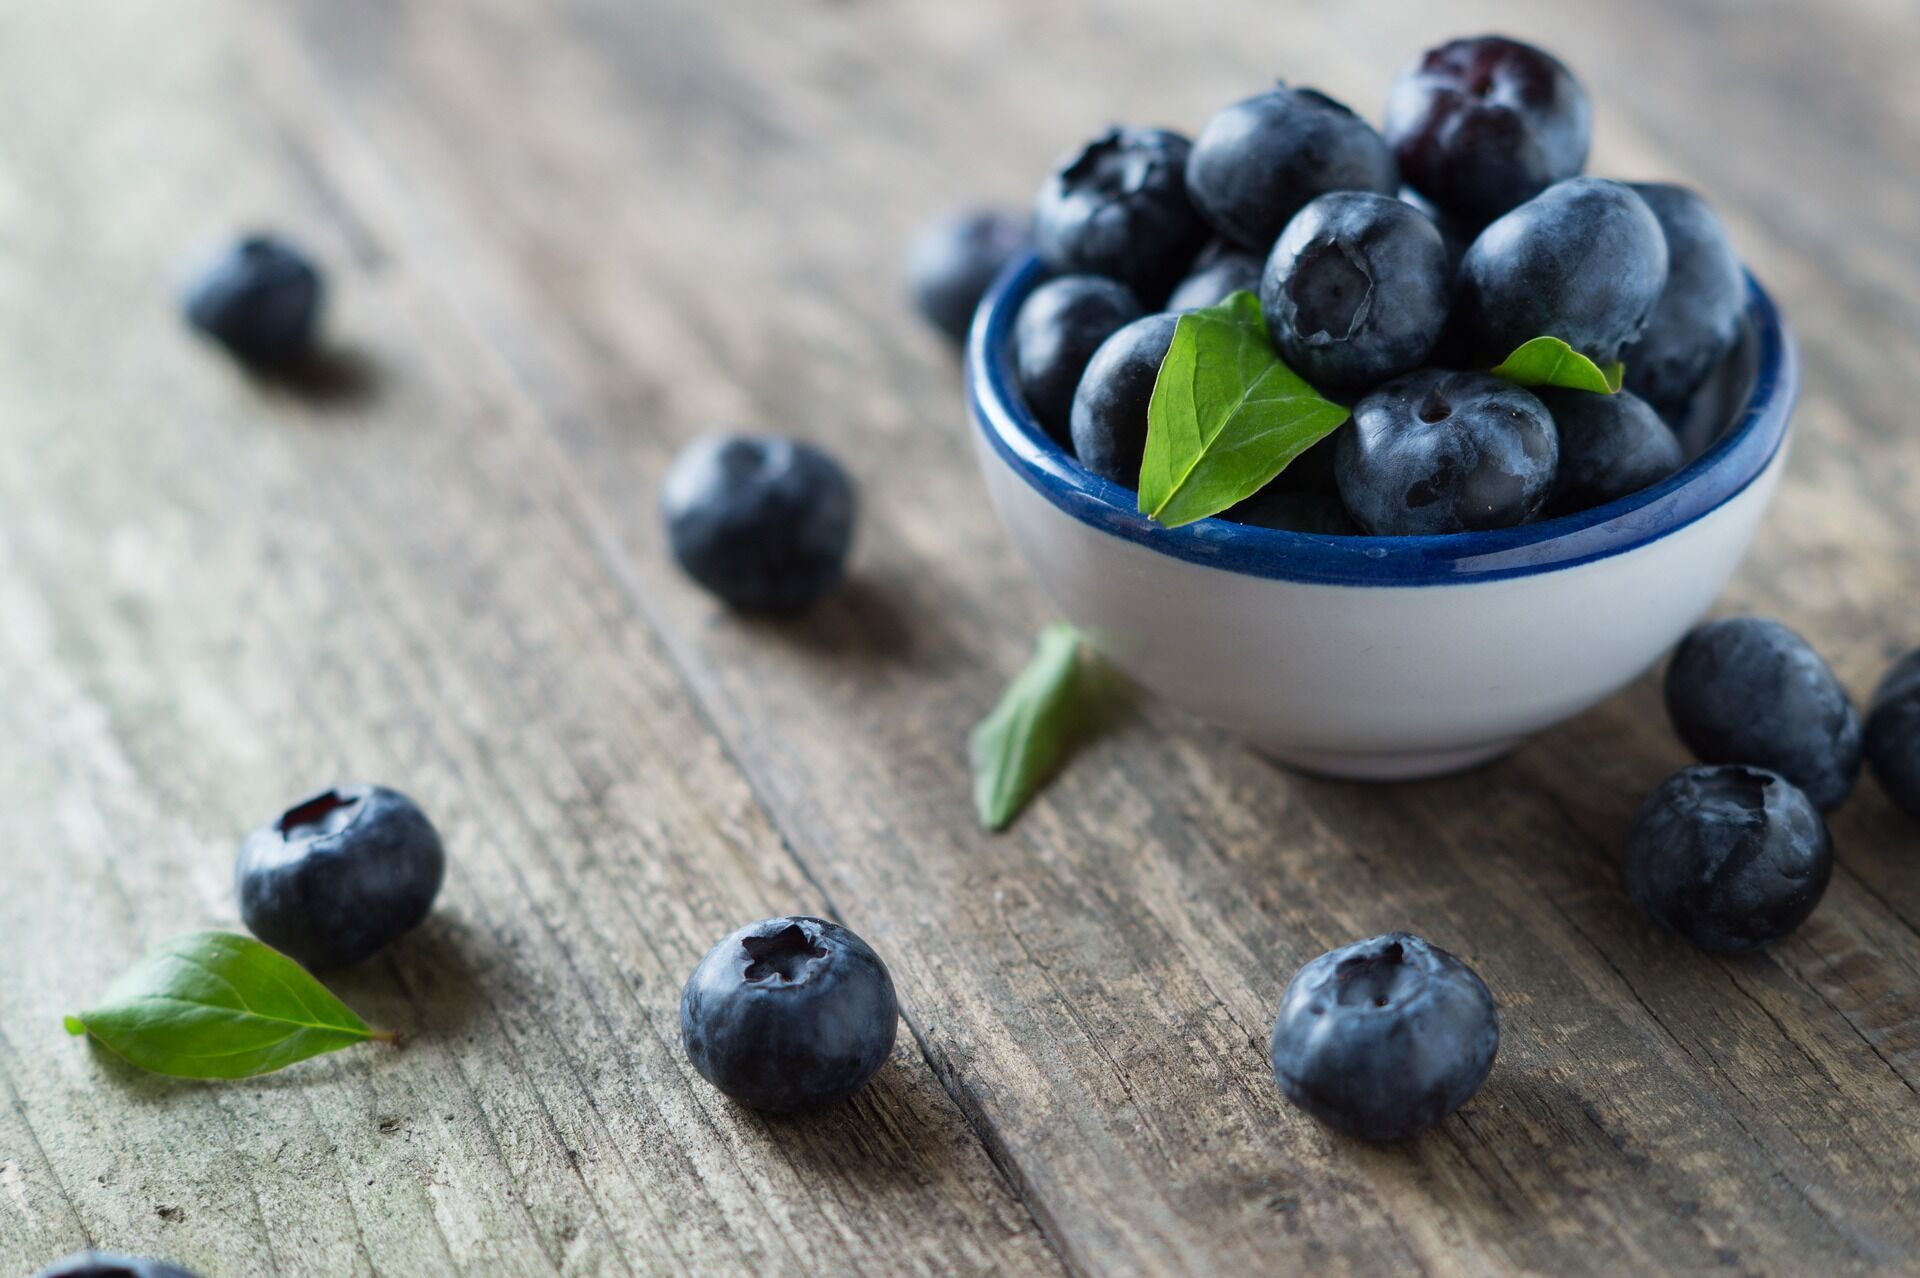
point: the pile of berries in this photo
(1394, 267)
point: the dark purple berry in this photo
(259, 298)
(789, 1014)
(335, 879)
(954, 258)
(1584, 261)
(1110, 408)
(1697, 319)
(1438, 452)
(1385, 1037)
(1356, 290)
(1893, 734)
(1119, 208)
(1748, 690)
(1481, 125)
(1610, 446)
(1258, 162)
(1215, 277)
(762, 522)
(1731, 857)
(1059, 327)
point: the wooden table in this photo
(565, 237)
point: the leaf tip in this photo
(76, 1027)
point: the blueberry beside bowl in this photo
(1398, 656)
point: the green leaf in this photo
(1548, 361)
(1226, 415)
(1018, 746)
(216, 1005)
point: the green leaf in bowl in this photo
(216, 1005)
(1548, 361)
(1226, 415)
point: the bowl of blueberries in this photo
(1480, 548)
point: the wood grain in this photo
(568, 237)
(215, 599)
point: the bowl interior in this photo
(1734, 428)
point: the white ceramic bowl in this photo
(1387, 657)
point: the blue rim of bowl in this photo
(1738, 457)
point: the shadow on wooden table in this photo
(862, 620)
(895, 1135)
(332, 378)
(428, 984)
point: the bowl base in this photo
(1408, 765)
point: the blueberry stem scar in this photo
(784, 956)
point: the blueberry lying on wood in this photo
(953, 259)
(1747, 690)
(337, 878)
(259, 298)
(1385, 1037)
(1893, 734)
(1731, 857)
(764, 523)
(789, 1014)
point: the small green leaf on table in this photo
(1226, 415)
(1027, 736)
(216, 1005)
(1548, 361)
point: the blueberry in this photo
(1697, 319)
(1454, 233)
(338, 877)
(1295, 510)
(1110, 408)
(1893, 734)
(1214, 278)
(1259, 161)
(260, 298)
(1481, 125)
(100, 1264)
(1356, 290)
(1385, 1037)
(953, 259)
(1440, 452)
(1610, 446)
(1745, 690)
(788, 1014)
(1059, 327)
(1119, 208)
(1729, 856)
(1583, 261)
(763, 523)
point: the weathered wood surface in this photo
(566, 237)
